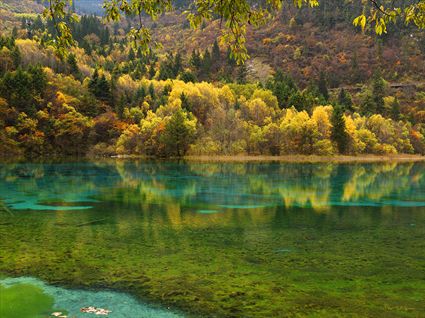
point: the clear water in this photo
(219, 239)
(69, 302)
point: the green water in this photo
(214, 240)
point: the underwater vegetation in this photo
(221, 239)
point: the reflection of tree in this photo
(180, 186)
(375, 182)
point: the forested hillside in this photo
(313, 85)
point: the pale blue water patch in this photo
(33, 205)
(121, 305)
(208, 211)
(238, 206)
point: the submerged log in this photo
(92, 222)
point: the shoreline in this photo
(310, 159)
(399, 158)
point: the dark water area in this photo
(217, 239)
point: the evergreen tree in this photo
(195, 60)
(131, 55)
(367, 107)
(14, 32)
(185, 102)
(103, 89)
(72, 66)
(16, 56)
(187, 77)
(339, 133)
(24, 90)
(152, 71)
(177, 135)
(93, 81)
(344, 99)
(152, 91)
(230, 60)
(120, 107)
(242, 74)
(378, 93)
(298, 100)
(177, 67)
(395, 109)
(283, 87)
(216, 54)
(100, 87)
(355, 69)
(206, 63)
(140, 94)
(165, 71)
(323, 86)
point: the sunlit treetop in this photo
(235, 16)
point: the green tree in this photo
(216, 54)
(24, 90)
(177, 135)
(185, 102)
(100, 87)
(152, 71)
(323, 86)
(395, 109)
(283, 87)
(378, 93)
(16, 56)
(368, 105)
(242, 74)
(131, 55)
(195, 60)
(152, 91)
(339, 132)
(73, 66)
(344, 99)
(206, 64)
(187, 77)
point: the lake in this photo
(175, 239)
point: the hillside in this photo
(302, 43)
(314, 85)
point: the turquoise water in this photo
(68, 302)
(217, 239)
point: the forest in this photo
(313, 85)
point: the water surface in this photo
(222, 239)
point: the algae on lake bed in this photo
(316, 240)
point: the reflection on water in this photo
(224, 239)
(219, 186)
